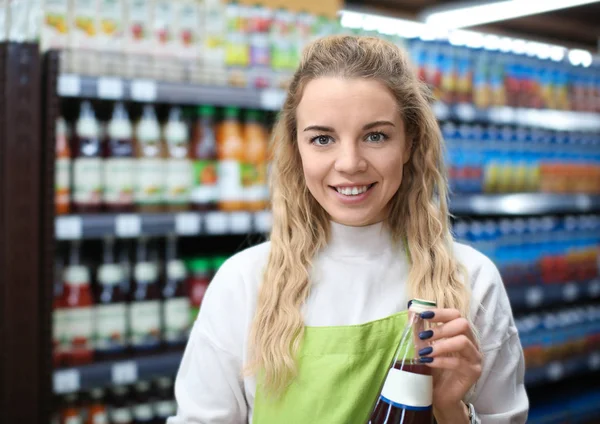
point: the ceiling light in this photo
(476, 14)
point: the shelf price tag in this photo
(110, 88)
(69, 85)
(534, 297)
(441, 110)
(124, 372)
(68, 228)
(128, 226)
(143, 90)
(570, 292)
(555, 371)
(241, 222)
(66, 381)
(217, 223)
(594, 288)
(272, 99)
(263, 221)
(465, 112)
(187, 224)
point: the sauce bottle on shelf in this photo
(62, 176)
(87, 162)
(150, 163)
(176, 303)
(178, 166)
(165, 405)
(200, 276)
(78, 304)
(111, 307)
(144, 308)
(143, 412)
(119, 162)
(203, 153)
(70, 412)
(230, 152)
(120, 409)
(256, 192)
(97, 412)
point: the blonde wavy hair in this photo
(418, 211)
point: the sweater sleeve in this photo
(209, 387)
(499, 396)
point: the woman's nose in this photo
(350, 159)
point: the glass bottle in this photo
(406, 395)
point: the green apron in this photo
(340, 372)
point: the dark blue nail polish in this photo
(427, 314)
(426, 360)
(409, 303)
(424, 335)
(425, 351)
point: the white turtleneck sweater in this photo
(359, 277)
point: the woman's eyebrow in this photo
(377, 124)
(366, 127)
(318, 128)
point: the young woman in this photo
(301, 329)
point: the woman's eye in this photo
(376, 137)
(321, 140)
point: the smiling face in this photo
(352, 144)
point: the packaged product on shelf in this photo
(165, 405)
(84, 36)
(482, 97)
(188, 24)
(70, 412)
(464, 83)
(163, 41)
(119, 163)
(254, 172)
(144, 307)
(138, 40)
(496, 69)
(111, 310)
(97, 412)
(119, 411)
(62, 172)
(449, 75)
(4, 21)
(230, 151)
(260, 53)
(143, 411)
(282, 47)
(203, 153)
(111, 36)
(150, 177)
(56, 24)
(79, 309)
(176, 303)
(87, 162)
(198, 281)
(178, 166)
(18, 19)
(237, 48)
(213, 69)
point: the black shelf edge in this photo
(126, 371)
(143, 90)
(561, 370)
(544, 295)
(523, 204)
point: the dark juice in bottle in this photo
(176, 303)
(203, 154)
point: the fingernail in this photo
(425, 351)
(427, 314)
(409, 303)
(426, 360)
(424, 335)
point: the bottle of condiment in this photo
(97, 411)
(144, 308)
(143, 411)
(178, 165)
(204, 156)
(200, 275)
(119, 162)
(254, 177)
(230, 152)
(176, 303)
(406, 395)
(120, 409)
(78, 304)
(71, 413)
(165, 405)
(111, 307)
(150, 178)
(62, 173)
(87, 162)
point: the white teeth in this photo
(352, 191)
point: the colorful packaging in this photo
(56, 24)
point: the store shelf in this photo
(74, 227)
(109, 373)
(543, 295)
(115, 88)
(561, 370)
(523, 204)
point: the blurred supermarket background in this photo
(133, 162)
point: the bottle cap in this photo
(421, 305)
(200, 265)
(205, 110)
(231, 112)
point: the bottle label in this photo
(87, 180)
(177, 316)
(121, 416)
(407, 390)
(230, 181)
(59, 329)
(80, 327)
(118, 180)
(150, 181)
(144, 318)
(204, 184)
(100, 418)
(73, 420)
(143, 412)
(111, 326)
(254, 181)
(165, 408)
(179, 180)
(62, 181)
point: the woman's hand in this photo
(455, 360)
